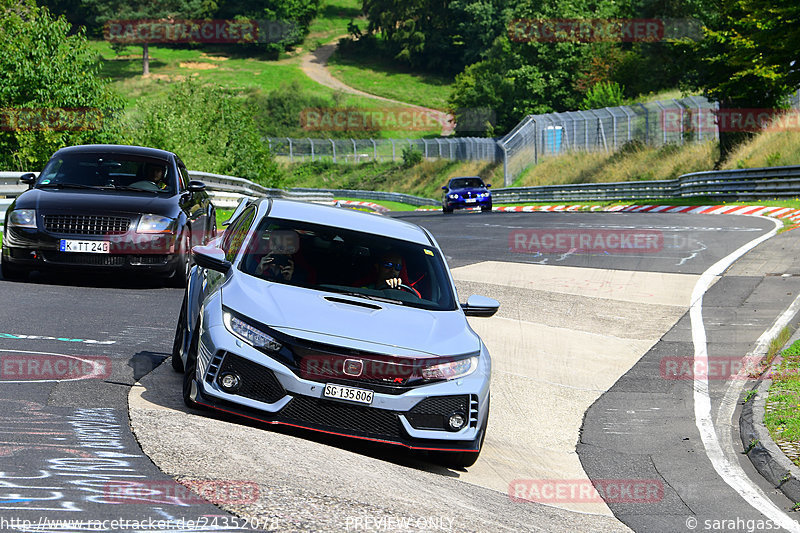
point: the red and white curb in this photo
(359, 203)
(769, 211)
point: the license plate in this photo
(92, 247)
(352, 394)
(471, 200)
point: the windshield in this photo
(466, 183)
(120, 171)
(348, 262)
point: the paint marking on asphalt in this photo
(49, 338)
(729, 471)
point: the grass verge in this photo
(782, 416)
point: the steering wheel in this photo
(409, 288)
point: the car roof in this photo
(466, 177)
(347, 219)
(117, 149)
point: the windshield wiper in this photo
(137, 189)
(69, 186)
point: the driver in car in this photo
(388, 274)
(157, 175)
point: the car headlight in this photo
(23, 218)
(451, 370)
(250, 334)
(155, 224)
(453, 196)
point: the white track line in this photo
(730, 472)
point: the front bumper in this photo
(464, 203)
(273, 393)
(39, 250)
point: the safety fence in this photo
(361, 150)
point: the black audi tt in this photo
(108, 207)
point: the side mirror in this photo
(212, 258)
(444, 188)
(196, 186)
(488, 185)
(480, 306)
(28, 179)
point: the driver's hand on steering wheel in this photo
(393, 283)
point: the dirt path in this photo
(315, 66)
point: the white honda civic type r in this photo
(337, 321)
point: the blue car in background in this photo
(460, 193)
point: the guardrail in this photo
(740, 184)
(374, 195)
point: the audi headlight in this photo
(250, 334)
(23, 218)
(451, 370)
(155, 224)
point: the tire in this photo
(180, 275)
(485, 208)
(447, 210)
(180, 336)
(11, 272)
(189, 374)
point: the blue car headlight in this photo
(453, 196)
(250, 334)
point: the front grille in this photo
(350, 419)
(432, 413)
(155, 259)
(257, 382)
(86, 224)
(70, 258)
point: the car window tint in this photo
(338, 260)
(464, 183)
(131, 172)
(235, 234)
(184, 176)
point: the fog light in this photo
(230, 381)
(457, 421)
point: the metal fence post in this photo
(312, 147)
(374, 150)
(355, 151)
(291, 151)
(393, 152)
(646, 123)
(333, 147)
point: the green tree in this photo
(212, 129)
(442, 35)
(50, 92)
(135, 10)
(747, 58)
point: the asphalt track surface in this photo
(67, 452)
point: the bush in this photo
(292, 112)
(411, 157)
(210, 128)
(603, 94)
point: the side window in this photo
(235, 234)
(183, 176)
